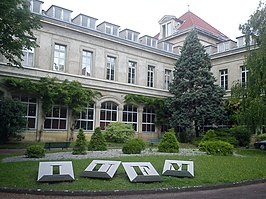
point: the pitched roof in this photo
(191, 20)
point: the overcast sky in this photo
(143, 15)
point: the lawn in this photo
(208, 170)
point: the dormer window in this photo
(129, 35)
(36, 6)
(167, 47)
(85, 21)
(167, 29)
(59, 13)
(108, 28)
(149, 41)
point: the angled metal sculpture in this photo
(146, 172)
(178, 168)
(106, 171)
(55, 171)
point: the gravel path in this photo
(101, 154)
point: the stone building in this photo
(116, 63)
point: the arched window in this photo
(148, 120)
(130, 116)
(108, 113)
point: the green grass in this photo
(208, 170)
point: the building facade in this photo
(116, 63)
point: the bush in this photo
(35, 151)
(261, 137)
(216, 147)
(12, 119)
(220, 134)
(134, 146)
(241, 134)
(169, 143)
(119, 132)
(97, 142)
(80, 146)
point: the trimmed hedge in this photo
(97, 142)
(169, 143)
(134, 146)
(216, 147)
(35, 151)
(119, 132)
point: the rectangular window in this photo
(110, 29)
(167, 78)
(86, 119)
(110, 75)
(31, 109)
(168, 47)
(59, 57)
(57, 119)
(86, 63)
(35, 6)
(148, 120)
(244, 75)
(130, 116)
(61, 14)
(224, 79)
(28, 57)
(150, 77)
(132, 72)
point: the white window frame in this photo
(148, 120)
(85, 119)
(59, 57)
(28, 57)
(167, 78)
(110, 68)
(244, 75)
(29, 101)
(86, 62)
(108, 109)
(150, 76)
(113, 29)
(33, 3)
(55, 118)
(224, 78)
(132, 69)
(130, 115)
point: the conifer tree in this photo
(196, 99)
(80, 147)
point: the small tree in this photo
(80, 144)
(169, 143)
(97, 142)
(12, 120)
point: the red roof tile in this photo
(191, 20)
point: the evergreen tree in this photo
(252, 96)
(97, 142)
(80, 144)
(196, 99)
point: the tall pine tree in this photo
(196, 99)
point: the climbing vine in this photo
(51, 91)
(153, 102)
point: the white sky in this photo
(143, 15)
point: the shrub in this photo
(35, 151)
(216, 147)
(241, 134)
(97, 142)
(169, 143)
(261, 137)
(80, 146)
(133, 146)
(119, 132)
(220, 134)
(12, 119)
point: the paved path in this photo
(253, 191)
